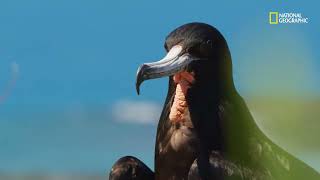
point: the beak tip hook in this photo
(137, 89)
(139, 78)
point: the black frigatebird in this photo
(206, 130)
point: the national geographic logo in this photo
(287, 18)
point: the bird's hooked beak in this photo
(174, 62)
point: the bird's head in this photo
(196, 52)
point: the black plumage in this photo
(218, 139)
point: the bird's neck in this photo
(205, 99)
(203, 107)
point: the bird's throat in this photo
(179, 108)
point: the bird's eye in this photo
(209, 42)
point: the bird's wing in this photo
(221, 168)
(259, 151)
(280, 163)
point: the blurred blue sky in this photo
(78, 58)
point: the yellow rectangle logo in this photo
(273, 17)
